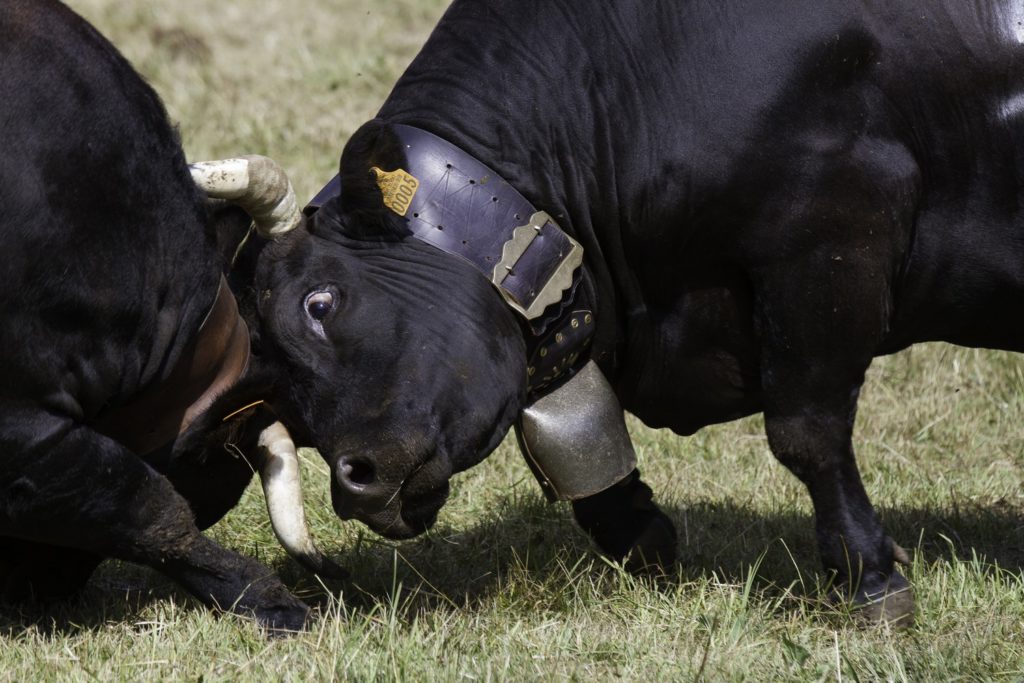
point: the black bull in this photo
(115, 333)
(768, 196)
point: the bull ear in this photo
(230, 225)
(242, 280)
(360, 206)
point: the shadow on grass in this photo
(543, 543)
(117, 592)
(531, 540)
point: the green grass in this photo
(505, 587)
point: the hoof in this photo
(281, 622)
(894, 605)
(628, 527)
(273, 606)
(252, 591)
(654, 551)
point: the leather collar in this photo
(453, 201)
(209, 365)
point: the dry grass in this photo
(505, 587)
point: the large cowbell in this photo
(574, 438)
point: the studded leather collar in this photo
(453, 201)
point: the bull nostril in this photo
(358, 472)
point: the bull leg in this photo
(73, 487)
(213, 480)
(43, 573)
(815, 351)
(815, 444)
(627, 525)
(213, 486)
(575, 441)
(812, 371)
(823, 302)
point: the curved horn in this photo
(255, 183)
(279, 472)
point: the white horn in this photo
(255, 183)
(279, 472)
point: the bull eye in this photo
(319, 304)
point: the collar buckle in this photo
(537, 265)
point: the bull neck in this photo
(212, 363)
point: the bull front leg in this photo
(65, 485)
(816, 446)
(213, 477)
(575, 441)
(628, 526)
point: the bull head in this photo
(433, 361)
(261, 188)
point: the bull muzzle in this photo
(255, 183)
(282, 487)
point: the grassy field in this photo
(505, 587)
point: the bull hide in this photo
(112, 300)
(768, 195)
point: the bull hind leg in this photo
(810, 405)
(822, 309)
(65, 485)
(36, 572)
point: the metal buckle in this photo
(548, 292)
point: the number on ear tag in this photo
(398, 188)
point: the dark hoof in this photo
(280, 622)
(243, 587)
(628, 527)
(654, 551)
(892, 605)
(273, 606)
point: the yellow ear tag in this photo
(398, 188)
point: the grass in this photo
(505, 587)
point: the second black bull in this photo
(135, 402)
(766, 197)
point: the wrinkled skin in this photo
(769, 196)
